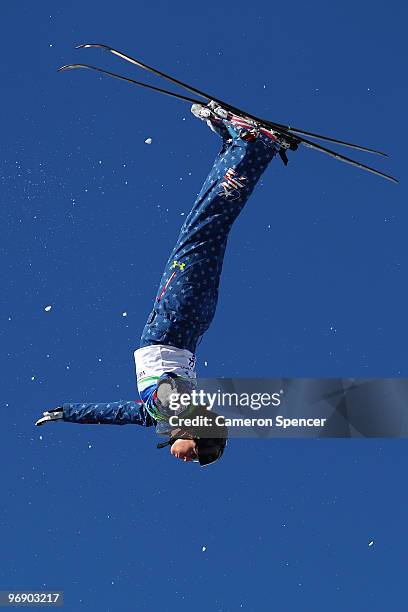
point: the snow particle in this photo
(371, 543)
(33, 377)
(47, 308)
(205, 363)
(204, 548)
(124, 314)
(148, 141)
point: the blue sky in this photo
(318, 257)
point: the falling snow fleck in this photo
(205, 363)
(47, 308)
(204, 548)
(33, 377)
(89, 445)
(124, 314)
(148, 141)
(371, 543)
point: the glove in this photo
(51, 415)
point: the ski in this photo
(348, 160)
(203, 94)
(344, 143)
(291, 134)
(127, 79)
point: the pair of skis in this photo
(292, 134)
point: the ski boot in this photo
(214, 116)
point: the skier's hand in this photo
(51, 415)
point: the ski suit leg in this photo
(188, 292)
(113, 413)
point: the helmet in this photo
(210, 439)
(210, 449)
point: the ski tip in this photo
(92, 46)
(66, 67)
(74, 66)
(388, 177)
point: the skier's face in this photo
(186, 450)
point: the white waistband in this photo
(153, 360)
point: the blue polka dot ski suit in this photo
(188, 292)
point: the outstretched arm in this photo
(112, 413)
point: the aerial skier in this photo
(187, 297)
